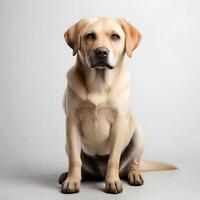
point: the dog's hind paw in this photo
(62, 178)
(135, 179)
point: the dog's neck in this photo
(97, 80)
(97, 85)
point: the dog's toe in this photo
(113, 187)
(70, 187)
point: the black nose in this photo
(102, 52)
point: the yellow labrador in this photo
(103, 139)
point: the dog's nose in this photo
(102, 52)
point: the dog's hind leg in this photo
(133, 167)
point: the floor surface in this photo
(41, 183)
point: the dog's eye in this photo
(115, 36)
(90, 36)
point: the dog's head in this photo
(102, 42)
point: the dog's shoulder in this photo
(76, 84)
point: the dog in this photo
(103, 139)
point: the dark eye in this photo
(115, 36)
(90, 36)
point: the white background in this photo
(34, 59)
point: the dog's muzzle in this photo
(99, 58)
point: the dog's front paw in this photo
(70, 185)
(113, 186)
(135, 179)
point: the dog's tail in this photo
(155, 166)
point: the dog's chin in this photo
(101, 65)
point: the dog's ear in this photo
(72, 36)
(132, 36)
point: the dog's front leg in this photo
(117, 138)
(72, 182)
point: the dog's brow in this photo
(114, 32)
(89, 31)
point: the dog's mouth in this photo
(102, 65)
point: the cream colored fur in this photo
(97, 103)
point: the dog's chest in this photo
(95, 123)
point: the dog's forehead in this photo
(103, 24)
